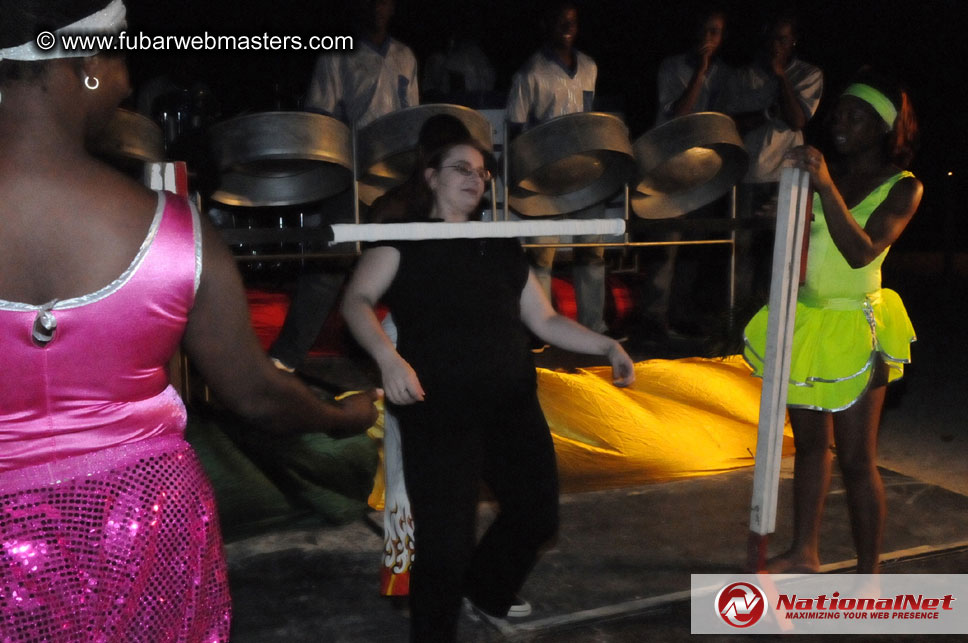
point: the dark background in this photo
(920, 42)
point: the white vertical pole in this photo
(794, 193)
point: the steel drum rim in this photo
(668, 205)
(231, 151)
(522, 164)
(294, 114)
(377, 130)
(537, 204)
(692, 130)
(370, 155)
(245, 190)
(708, 130)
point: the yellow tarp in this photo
(682, 418)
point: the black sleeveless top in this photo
(457, 307)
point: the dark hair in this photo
(901, 141)
(783, 15)
(551, 11)
(421, 198)
(24, 19)
(436, 132)
(703, 12)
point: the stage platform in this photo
(619, 570)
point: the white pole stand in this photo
(791, 215)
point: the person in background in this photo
(851, 336)
(687, 83)
(694, 81)
(108, 522)
(461, 73)
(555, 81)
(771, 100)
(378, 77)
(462, 382)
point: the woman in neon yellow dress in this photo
(851, 336)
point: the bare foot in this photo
(792, 562)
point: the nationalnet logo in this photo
(830, 604)
(900, 606)
(741, 604)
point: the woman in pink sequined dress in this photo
(108, 531)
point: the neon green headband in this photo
(881, 103)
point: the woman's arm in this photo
(858, 245)
(543, 321)
(221, 344)
(373, 275)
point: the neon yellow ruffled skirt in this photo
(836, 343)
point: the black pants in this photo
(448, 448)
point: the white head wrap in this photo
(110, 18)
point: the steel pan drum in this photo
(686, 163)
(386, 149)
(281, 158)
(130, 136)
(569, 163)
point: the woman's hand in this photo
(809, 158)
(400, 381)
(623, 369)
(706, 51)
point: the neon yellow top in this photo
(829, 275)
(844, 320)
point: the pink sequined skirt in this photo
(120, 545)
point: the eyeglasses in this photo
(466, 171)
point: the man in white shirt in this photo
(555, 81)
(694, 81)
(378, 77)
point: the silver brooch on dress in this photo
(44, 324)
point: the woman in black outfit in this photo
(462, 382)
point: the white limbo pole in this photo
(791, 216)
(474, 229)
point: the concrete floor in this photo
(620, 568)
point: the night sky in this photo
(920, 42)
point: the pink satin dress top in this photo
(101, 380)
(108, 525)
